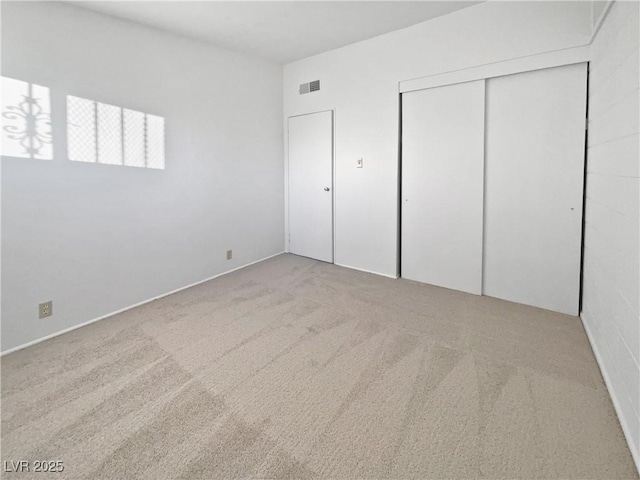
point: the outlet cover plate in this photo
(45, 309)
(229, 254)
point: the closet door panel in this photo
(535, 132)
(442, 186)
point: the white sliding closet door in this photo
(442, 183)
(534, 187)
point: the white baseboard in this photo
(614, 399)
(395, 277)
(84, 324)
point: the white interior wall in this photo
(99, 238)
(360, 82)
(611, 297)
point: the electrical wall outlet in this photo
(359, 163)
(45, 309)
(229, 254)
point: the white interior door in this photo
(311, 185)
(442, 186)
(534, 187)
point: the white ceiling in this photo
(281, 31)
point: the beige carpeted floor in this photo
(294, 368)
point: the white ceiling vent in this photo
(309, 87)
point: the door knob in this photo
(326, 189)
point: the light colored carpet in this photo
(294, 368)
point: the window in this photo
(102, 133)
(26, 120)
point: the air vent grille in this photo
(309, 87)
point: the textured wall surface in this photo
(611, 294)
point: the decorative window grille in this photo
(134, 138)
(81, 133)
(26, 120)
(107, 134)
(155, 141)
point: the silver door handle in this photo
(326, 189)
